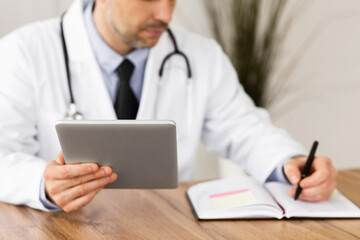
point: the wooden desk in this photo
(166, 214)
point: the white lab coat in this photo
(34, 95)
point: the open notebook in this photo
(243, 197)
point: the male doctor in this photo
(116, 48)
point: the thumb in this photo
(60, 159)
(292, 170)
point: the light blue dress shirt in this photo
(108, 61)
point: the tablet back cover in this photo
(142, 153)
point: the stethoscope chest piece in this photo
(73, 114)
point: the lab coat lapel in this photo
(90, 93)
(151, 78)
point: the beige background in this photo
(321, 97)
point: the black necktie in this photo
(126, 105)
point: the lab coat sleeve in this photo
(20, 168)
(236, 129)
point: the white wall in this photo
(321, 97)
(15, 13)
(326, 80)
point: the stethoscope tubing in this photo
(66, 59)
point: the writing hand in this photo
(321, 182)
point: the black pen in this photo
(307, 167)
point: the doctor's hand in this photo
(75, 185)
(321, 182)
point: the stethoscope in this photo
(73, 114)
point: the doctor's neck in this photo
(110, 34)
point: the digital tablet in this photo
(142, 153)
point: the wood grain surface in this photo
(166, 214)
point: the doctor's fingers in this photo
(322, 171)
(60, 159)
(316, 194)
(65, 197)
(55, 171)
(58, 186)
(81, 201)
(293, 167)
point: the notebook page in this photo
(237, 197)
(337, 206)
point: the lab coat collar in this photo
(76, 37)
(149, 98)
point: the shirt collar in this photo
(107, 58)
